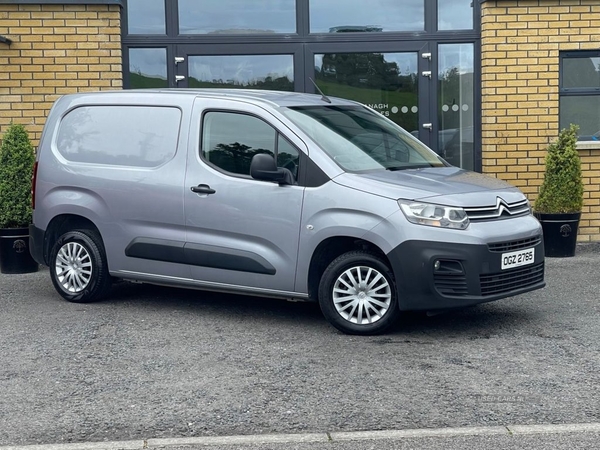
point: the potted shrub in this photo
(16, 169)
(559, 204)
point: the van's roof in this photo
(276, 98)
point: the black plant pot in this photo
(560, 233)
(14, 251)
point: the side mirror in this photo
(263, 167)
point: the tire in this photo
(78, 267)
(366, 306)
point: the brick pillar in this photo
(521, 42)
(56, 49)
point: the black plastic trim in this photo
(413, 266)
(36, 244)
(156, 250)
(226, 258)
(198, 255)
(310, 174)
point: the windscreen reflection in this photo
(359, 139)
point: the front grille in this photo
(501, 283)
(501, 210)
(450, 284)
(502, 247)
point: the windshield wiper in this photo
(414, 166)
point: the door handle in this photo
(202, 189)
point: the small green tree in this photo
(562, 189)
(17, 158)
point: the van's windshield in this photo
(359, 139)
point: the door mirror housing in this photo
(264, 168)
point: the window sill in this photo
(588, 145)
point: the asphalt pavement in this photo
(157, 363)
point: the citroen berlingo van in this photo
(272, 194)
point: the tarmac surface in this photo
(154, 363)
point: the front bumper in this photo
(470, 274)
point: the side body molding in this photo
(198, 255)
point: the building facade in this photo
(486, 84)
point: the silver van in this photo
(273, 194)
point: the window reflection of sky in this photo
(388, 15)
(581, 72)
(455, 15)
(241, 69)
(279, 16)
(237, 16)
(150, 62)
(146, 16)
(456, 55)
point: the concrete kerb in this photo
(392, 435)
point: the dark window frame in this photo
(302, 34)
(575, 91)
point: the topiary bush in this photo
(562, 189)
(17, 158)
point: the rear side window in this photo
(138, 136)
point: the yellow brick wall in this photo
(56, 49)
(521, 41)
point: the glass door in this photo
(456, 104)
(428, 88)
(394, 80)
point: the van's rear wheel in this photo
(357, 294)
(78, 267)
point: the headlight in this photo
(435, 215)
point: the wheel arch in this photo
(61, 224)
(328, 250)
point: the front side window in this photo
(135, 136)
(359, 139)
(230, 140)
(580, 93)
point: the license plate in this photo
(519, 258)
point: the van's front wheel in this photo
(78, 267)
(357, 294)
